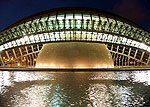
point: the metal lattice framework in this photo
(51, 25)
(122, 55)
(75, 24)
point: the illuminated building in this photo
(127, 42)
(74, 55)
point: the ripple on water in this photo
(104, 89)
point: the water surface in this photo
(75, 89)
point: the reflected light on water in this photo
(142, 76)
(103, 89)
(33, 97)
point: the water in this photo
(103, 89)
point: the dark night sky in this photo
(135, 10)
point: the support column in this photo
(148, 60)
(38, 47)
(7, 54)
(122, 60)
(27, 60)
(123, 50)
(30, 60)
(117, 60)
(111, 47)
(117, 55)
(27, 55)
(14, 53)
(126, 61)
(20, 52)
(129, 52)
(26, 49)
(32, 48)
(3, 64)
(33, 55)
(142, 56)
(129, 57)
(117, 48)
(21, 55)
(135, 53)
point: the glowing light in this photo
(142, 77)
(18, 64)
(12, 58)
(24, 59)
(78, 16)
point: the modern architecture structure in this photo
(64, 30)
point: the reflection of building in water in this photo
(76, 89)
(127, 43)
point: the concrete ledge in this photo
(73, 70)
